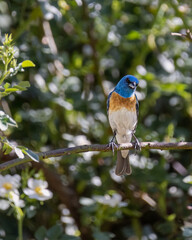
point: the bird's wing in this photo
(137, 110)
(108, 99)
(137, 106)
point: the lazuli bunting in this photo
(123, 110)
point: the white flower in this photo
(71, 229)
(4, 204)
(96, 181)
(86, 201)
(113, 201)
(37, 189)
(13, 197)
(9, 183)
(67, 219)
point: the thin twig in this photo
(187, 35)
(52, 45)
(97, 147)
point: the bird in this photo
(123, 111)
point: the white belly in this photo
(124, 122)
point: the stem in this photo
(20, 228)
(5, 73)
(19, 217)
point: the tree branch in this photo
(97, 147)
(187, 35)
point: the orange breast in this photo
(117, 102)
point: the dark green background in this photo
(81, 50)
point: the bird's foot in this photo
(112, 145)
(137, 144)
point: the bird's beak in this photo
(132, 85)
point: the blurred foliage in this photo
(81, 49)
(9, 68)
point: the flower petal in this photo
(4, 204)
(28, 191)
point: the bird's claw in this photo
(112, 145)
(137, 144)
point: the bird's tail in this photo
(123, 166)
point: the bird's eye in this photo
(127, 80)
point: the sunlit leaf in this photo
(22, 86)
(6, 85)
(188, 179)
(133, 35)
(171, 217)
(32, 155)
(6, 148)
(27, 63)
(19, 152)
(9, 90)
(5, 121)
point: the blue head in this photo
(127, 86)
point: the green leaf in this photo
(102, 235)
(27, 63)
(3, 125)
(5, 121)
(132, 212)
(171, 217)
(6, 148)
(22, 86)
(6, 85)
(133, 35)
(54, 232)
(40, 234)
(68, 237)
(31, 154)
(13, 89)
(19, 152)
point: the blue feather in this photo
(123, 88)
